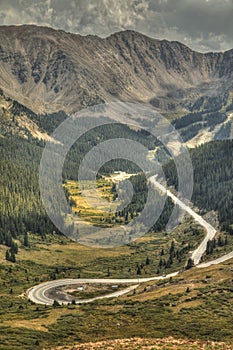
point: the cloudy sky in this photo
(204, 25)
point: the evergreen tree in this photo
(56, 303)
(8, 256)
(25, 240)
(190, 264)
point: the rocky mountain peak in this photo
(49, 70)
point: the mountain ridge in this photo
(44, 27)
(49, 70)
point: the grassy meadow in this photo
(197, 304)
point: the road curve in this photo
(210, 230)
(37, 294)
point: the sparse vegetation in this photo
(200, 297)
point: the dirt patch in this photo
(80, 291)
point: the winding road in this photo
(210, 230)
(37, 294)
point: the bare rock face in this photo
(16, 119)
(49, 70)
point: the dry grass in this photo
(89, 208)
(38, 324)
(72, 254)
(149, 344)
(3, 250)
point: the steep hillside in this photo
(50, 70)
(213, 183)
(15, 119)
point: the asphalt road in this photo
(210, 230)
(38, 295)
(216, 261)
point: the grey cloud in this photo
(213, 16)
(204, 25)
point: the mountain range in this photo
(50, 70)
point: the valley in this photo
(38, 293)
(166, 289)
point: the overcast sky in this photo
(204, 25)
